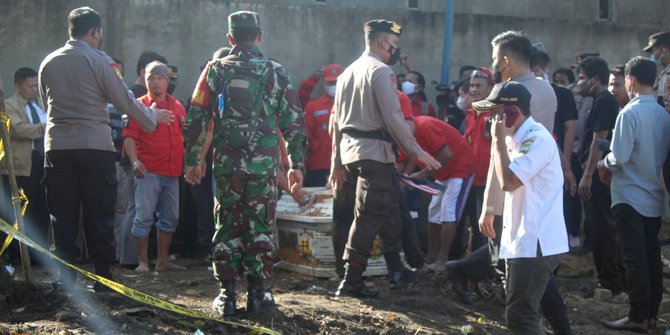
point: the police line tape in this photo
(130, 292)
(9, 238)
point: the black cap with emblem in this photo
(510, 93)
(658, 39)
(382, 26)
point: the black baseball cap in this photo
(582, 57)
(662, 38)
(510, 93)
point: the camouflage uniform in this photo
(246, 175)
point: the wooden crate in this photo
(304, 239)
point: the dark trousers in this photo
(551, 303)
(316, 178)
(36, 219)
(526, 285)
(203, 200)
(409, 236)
(364, 206)
(605, 241)
(642, 257)
(572, 206)
(87, 178)
(471, 213)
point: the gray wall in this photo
(304, 35)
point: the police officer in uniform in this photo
(253, 99)
(367, 120)
(659, 48)
(76, 81)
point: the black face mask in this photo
(497, 75)
(395, 54)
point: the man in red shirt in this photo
(317, 118)
(445, 143)
(157, 160)
(478, 135)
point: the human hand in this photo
(569, 182)
(486, 225)
(585, 187)
(405, 61)
(295, 179)
(337, 177)
(604, 173)
(138, 169)
(193, 175)
(499, 129)
(428, 160)
(163, 115)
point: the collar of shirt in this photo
(525, 76)
(521, 132)
(666, 69)
(78, 43)
(246, 47)
(643, 98)
(373, 55)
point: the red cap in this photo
(332, 71)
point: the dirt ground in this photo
(305, 305)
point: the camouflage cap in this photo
(244, 19)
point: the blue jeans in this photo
(159, 194)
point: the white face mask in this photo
(330, 90)
(461, 104)
(408, 87)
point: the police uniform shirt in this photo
(366, 100)
(76, 82)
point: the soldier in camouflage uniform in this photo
(247, 97)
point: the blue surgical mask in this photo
(656, 60)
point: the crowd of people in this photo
(528, 164)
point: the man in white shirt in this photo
(528, 165)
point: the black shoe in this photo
(101, 288)
(458, 282)
(225, 303)
(400, 279)
(358, 290)
(259, 299)
(257, 296)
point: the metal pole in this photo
(14, 190)
(446, 48)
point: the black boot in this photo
(257, 297)
(224, 303)
(353, 284)
(102, 269)
(458, 281)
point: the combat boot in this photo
(224, 304)
(257, 297)
(353, 284)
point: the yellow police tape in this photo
(129, 292)
(9, 238)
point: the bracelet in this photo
(135, 162)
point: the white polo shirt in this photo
(534, 212)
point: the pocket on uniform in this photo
(108, 192)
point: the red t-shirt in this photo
(432, 135)
(405, 105)
(417, 107)
(477, 134)
(305, 90)
(161, 152)
(319, 146)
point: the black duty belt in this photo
(373, 134)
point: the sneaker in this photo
(573, 241)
